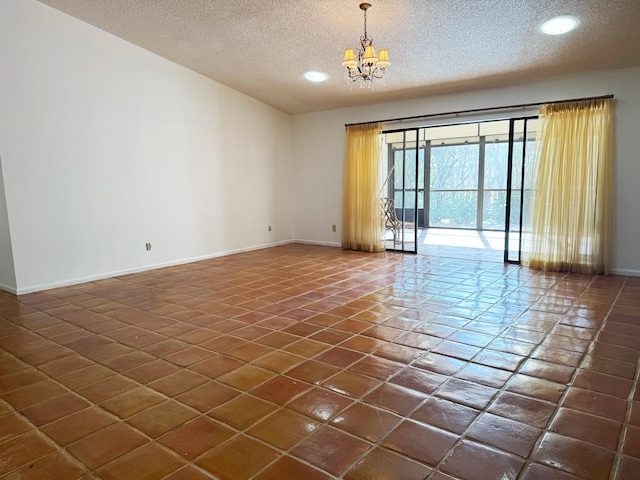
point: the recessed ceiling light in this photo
(314, 76)
(559, 25)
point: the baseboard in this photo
(143, 268)
(322, 244)
(8, 288)
(626, 272)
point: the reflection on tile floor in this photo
(307, 362)
(480, 245)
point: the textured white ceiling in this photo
(262, 47)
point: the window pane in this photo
(397, 199)
(408, 213)
(454, 167)
(528, 164)
(405, 170)
(421, 167)
(409, 198)
(496, 158)
(453, 209)
(514, 226)
(398, 156)
(410, 169)
(516, 179)
(494, 205)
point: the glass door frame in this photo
(392, 189)
(521, 190)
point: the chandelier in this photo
(366, 64)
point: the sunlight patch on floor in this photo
(464, 238)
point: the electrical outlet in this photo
(333, 228)
(269, 227)
(148, 246)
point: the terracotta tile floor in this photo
(307, 362)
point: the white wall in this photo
(7, 272)
(318, 144)
(106, 147)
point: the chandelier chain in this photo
(365, 23)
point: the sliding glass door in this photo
(522, 135)
(402, 196)
(471, 176)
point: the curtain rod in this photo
(477, 110)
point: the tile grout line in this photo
(435, 468)
(200, 278)
(576, 372)
(626, 422)
(503, 389)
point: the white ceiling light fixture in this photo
(366, 64)
(559, 25)
(315, 77)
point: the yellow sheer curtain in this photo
(570, 214)
(362, 227)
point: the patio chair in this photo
(391, 221)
